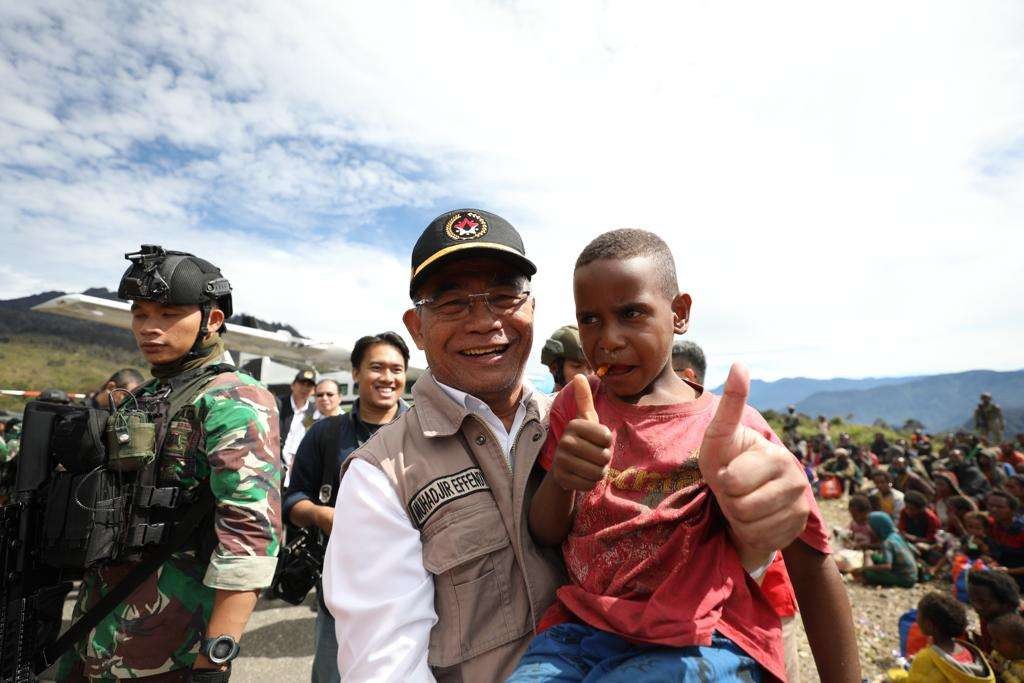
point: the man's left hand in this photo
(760, 486)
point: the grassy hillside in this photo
(860, 433)
(41, 361)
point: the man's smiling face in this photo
(485, 352)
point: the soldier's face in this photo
(483, 353)
(164, 333)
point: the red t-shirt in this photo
(648, 554)
(925, 525)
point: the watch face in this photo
(222, 650)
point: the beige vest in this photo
(492, 583)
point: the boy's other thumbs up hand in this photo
(583, 451)
(759, 485)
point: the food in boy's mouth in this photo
(602, 371)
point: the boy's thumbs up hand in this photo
(759, 485)
(583, 451)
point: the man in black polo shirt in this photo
(379, 363)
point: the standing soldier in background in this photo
(988, 420)
(789, 424)
(217, 448)
(563, 355)
(688, 361)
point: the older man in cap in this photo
(433, 573)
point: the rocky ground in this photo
(278, 644)
(876, 614)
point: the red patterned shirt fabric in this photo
(648, 555)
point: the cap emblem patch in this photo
(466, 226)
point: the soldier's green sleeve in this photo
(242, 440)
(4, 451)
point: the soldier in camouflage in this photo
(223, 434)
(790, 422)
(988, 420)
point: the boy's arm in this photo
(579, 461)
(825, 610)
(551, 512)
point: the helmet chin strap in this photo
(197, 345)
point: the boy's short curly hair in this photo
(1010, 625)
(915, 498)
(629, 243)
(980, 518)
(946, 614)
(1010, 499)
(859, 502)
(1002, 586)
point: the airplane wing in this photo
(280, 345)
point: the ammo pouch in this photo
(84, 519)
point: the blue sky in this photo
(843, 189)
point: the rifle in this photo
(32, 593)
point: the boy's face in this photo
(914, 510)
(859, 516)
(628, 323)
(1000, 509)
(983, 602)
(974, 527)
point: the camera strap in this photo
(187, 521)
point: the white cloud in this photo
(842, 188)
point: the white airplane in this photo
(281, 346)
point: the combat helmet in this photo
(563, 343)
(175, 278)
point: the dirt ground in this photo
(876, 614)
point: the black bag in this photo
(302, 559)
(76, 441)
(83, 520)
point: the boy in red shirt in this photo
(638, 464)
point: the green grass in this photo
(41, 362)
(860, 433)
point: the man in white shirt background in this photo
(293, 411)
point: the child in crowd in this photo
(946, 487)
(992, 594)
(1007, 656)
(860, 535)
(1007, 533)
(1015, 487)
(895, 565)
(660, 589)
(919, 524)
(944, 621)
(976, 543)
(884, 497)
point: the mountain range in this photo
(939, 402)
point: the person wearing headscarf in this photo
(894, 565)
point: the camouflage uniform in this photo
(789, 424)
(988, 422)
(228, 436)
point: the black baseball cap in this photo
(305, 375)
(462, 233)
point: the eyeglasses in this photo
(324, 393)
(455, 305)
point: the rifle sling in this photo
(186, 522)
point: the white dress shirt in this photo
(296, 430)
(375, 584)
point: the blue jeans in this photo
(325, 642)
(577, 652)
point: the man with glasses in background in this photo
(328, 401)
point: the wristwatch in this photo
(220, 650)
